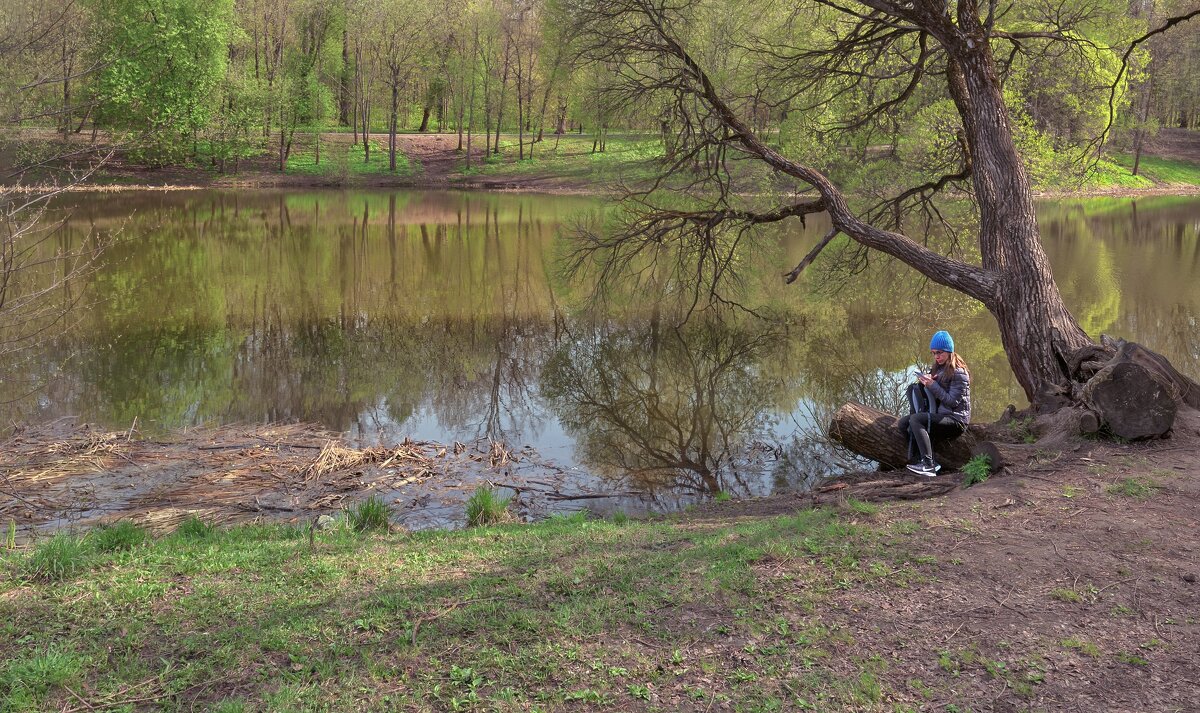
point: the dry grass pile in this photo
(61, 473)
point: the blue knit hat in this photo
(942, 341)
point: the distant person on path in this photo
(941, 404)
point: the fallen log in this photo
(876, 435)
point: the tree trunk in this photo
(1037, 330)
(343, 88)
(395, 109)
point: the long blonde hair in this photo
(954, 362)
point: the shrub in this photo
(484, 508)
(57, 558)
(370, 514)
(976, 470)
(123, 535)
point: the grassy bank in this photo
(1038, 590)
(567, 613)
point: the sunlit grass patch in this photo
(1163, 170)
(123, 535)
(485, 508)
(342, 160)
(370, 514)
(539, 615)
(58, 558)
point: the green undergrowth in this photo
(573, 611)
(572, 156)
(339, 160)
(1163, 170)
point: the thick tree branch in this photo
(969, 279)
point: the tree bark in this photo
(876, 435)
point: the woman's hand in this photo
(925, 379)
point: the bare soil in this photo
(1079, 572)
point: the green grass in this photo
(484, 508)
(341, 161)
(59, 557)
(1086, 648)
(367, 516)
(625, 157)
(1163, 170)
(512, 617)
(1134, 487)
(120, 536)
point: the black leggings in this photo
(919, 428)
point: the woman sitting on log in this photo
(948, 389)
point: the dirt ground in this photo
(1080, 571)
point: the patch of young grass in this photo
(1131, 659)
(722, 497)
(484, 508)
(58, 558)
(117, 537)
(532, 614)
(194, 528)
(1134, 487)
(1063, 594)
(861, 506)
(368, 515)
(976, 470)
(344, 160)
(1086, 648)
(28, 678)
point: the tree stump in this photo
(1181, 388)
(1131, 401)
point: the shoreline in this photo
(539, 185)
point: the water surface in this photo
(443, 316)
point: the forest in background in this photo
(212, 82)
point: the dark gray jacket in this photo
(954, 401)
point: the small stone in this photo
(326, 522)
(1189, 577)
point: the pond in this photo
(445, 316)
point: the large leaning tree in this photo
(871, 59)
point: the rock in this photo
(1189, 578)
(326, 522)
(1130, 401)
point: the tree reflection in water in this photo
(686, 408)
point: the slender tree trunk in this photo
(1139, 136)
(503, 93)
(392, 125)
(343, 83)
